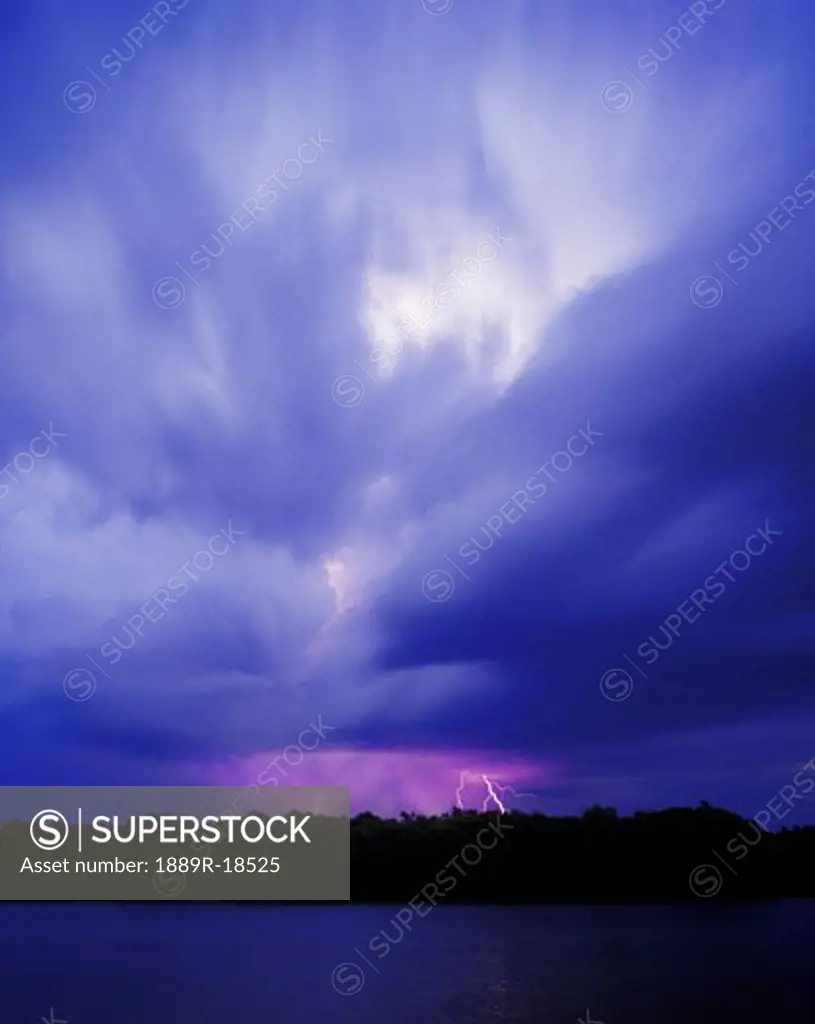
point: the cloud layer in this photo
(346, 282)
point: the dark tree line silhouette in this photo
(598, 857)
(665, 856)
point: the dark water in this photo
(166, 964)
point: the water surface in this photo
(173, 963)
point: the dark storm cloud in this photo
(590, 316)
(707, 435)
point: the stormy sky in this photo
(400, 393)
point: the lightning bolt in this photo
(512, 792)
(492, 795)
(492, 786)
